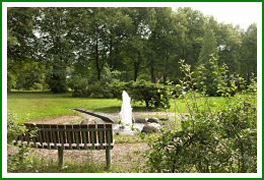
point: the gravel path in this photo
(123, 155)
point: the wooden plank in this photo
(109, 134)
(96, 134)
(62, 135)
(100, 133)
(92, 133)
(55, 134)
(85, 134)
(77, 134)
(47, 130)
(105, 131)
(70, 133)
(41, 134)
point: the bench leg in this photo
(108, 158)
(60, 156)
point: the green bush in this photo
(79, 86)
(20, 160)
(99, 89)
(11, 81)
(117, 87)
(206, 141)
(56, 79)
(216, 80)
(15, 127)
(154, 95)
(108, 86)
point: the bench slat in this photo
(52, 136)
(85, 134)
(77, 134)
(69, 135)
(100, 134)
(92, 134)
(62, 135)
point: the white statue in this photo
(126, 110)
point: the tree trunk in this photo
(110, 53)
(136, 67)
(165, 70)
(97, 62)
(152, 73)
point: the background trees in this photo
(138, 43)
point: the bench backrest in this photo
(70, 135)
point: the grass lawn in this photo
(37, 105)
(42, 105)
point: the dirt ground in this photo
(59, 120)
(123, 155)
(78, 119)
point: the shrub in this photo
(206, 141)
(117, 87)
(19, 160)
(11, 81)
(99, 89)
(108, 86)
(79, 86)
(56, 79)
(15, 127)
(154, 95)
(216, 80)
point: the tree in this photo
(190, 43)
(229, 42)
(208, 48)
(162, 41)
(20, 41)
(55, 45)
(138, 35)
(248, 58)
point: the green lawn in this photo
(39, 105)
(36, 105)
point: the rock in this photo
(85, 121)
(150, 127)
(92, 121)
(153, 120)
(164, 119)
(140, 120)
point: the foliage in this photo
(209, 46)
(15, 127)
(139, 41)
(224, 140)
(78, 85)
(117, 88)
(11, 81)
(108, 86)
(154, 95)
(216, 80)
(19, 160)
(56, 79)
(31, 76)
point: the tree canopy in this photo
(139, 43)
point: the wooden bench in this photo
(68, 137)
